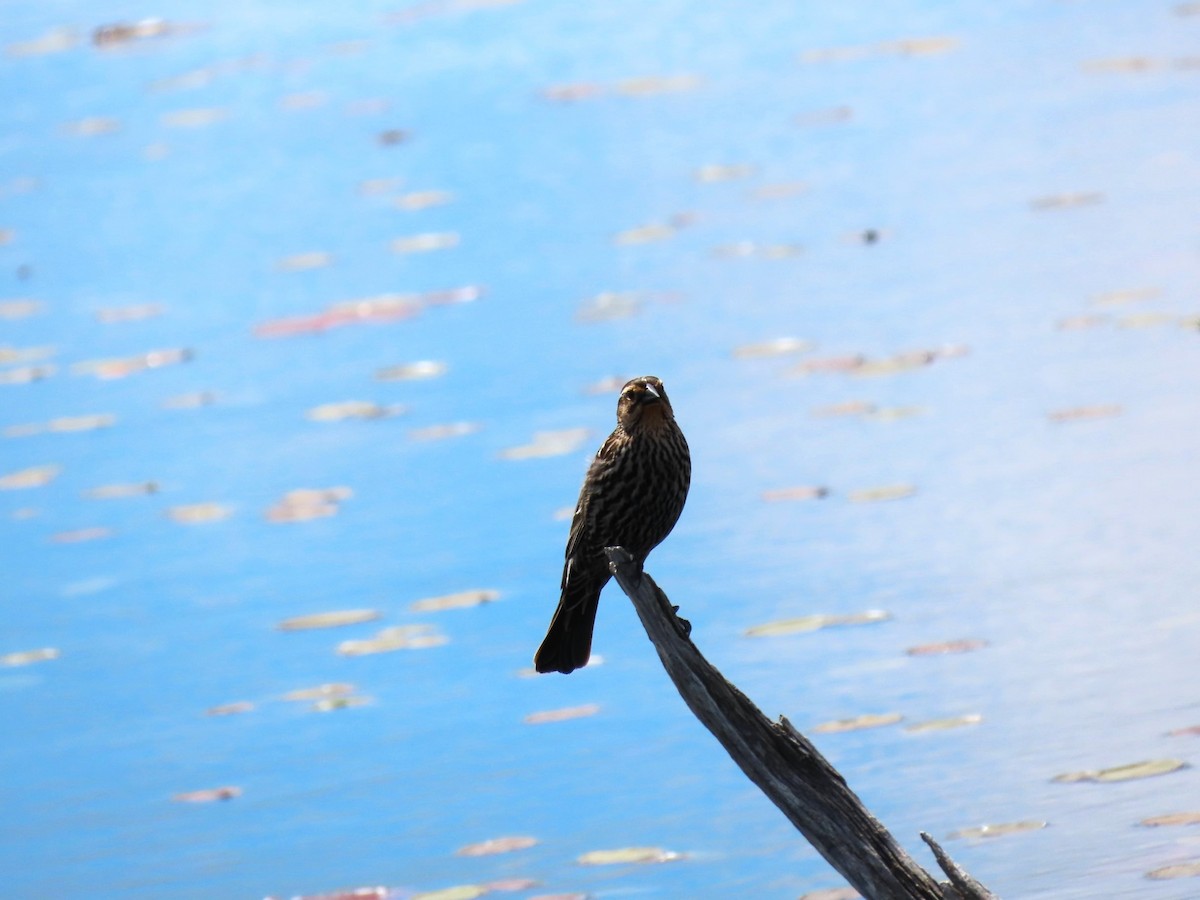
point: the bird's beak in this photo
(653, 393)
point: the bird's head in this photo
(643, 404)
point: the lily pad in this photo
(460, 600)
(858, 723)
(999, 830)
(626, 855)
(1147, 769)
(335, 619)
(562, 715)
(493, 846)
(814, 622)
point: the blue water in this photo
(1068, 547)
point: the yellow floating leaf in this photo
(320, 692)
(444, 431)
(775, 347)
(423, 199)
(882, 493)
(815, 622)
(627, 855)
(398, 637)
(230, 709)
(962, 645)
(208, 795)
(493, 846)
(460, 600)
(805, 492)
(901, 362)
(20, 309)
(194, 118)
(427, 242)
(334, 619)
(305, 504)
(461, 892)
(353, 409)
(715, 172)
(944, 724)
(27, 657)
(1000, 830)
(35, 476)
(1083, 413)
(81, 423)
(199, 513)
(301, 262)
(858, 723)
(1147, 769)
(562, 715)
(1180, 870)
(1146, 320)
(414, 371)
(928, 46)
(549, 443)
(1180, 818)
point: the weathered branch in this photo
(785, 765)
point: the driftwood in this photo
(786, 766)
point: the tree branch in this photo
(785, 765)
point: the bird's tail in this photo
(568, 643)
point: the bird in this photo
(632, 496)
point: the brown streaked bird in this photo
(631, 497)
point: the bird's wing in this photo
(579, 520)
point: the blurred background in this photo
(311, 316)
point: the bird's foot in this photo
(683, 623)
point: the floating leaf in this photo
(194, 118)
(754, 249)
(320, 692)
(208, 795)
(414, 371)
(894, 413)
(20, 309)
(962, 645)
(305, 504)
(303, 100)
(1130, 295)
(230, 709)
(858, 723)
(334, 619)
(882, 493)
(398, 637)
(628, 855)
(129, 32)
(779, 191)
(194, 400)
(27, 657)
(715, 172)
(815, 622)
(1147, 769)
(1000, 830)
(390, 137)
(1180, 818)
(1078, 323)
(460, 600)
(81, 535)
(646, 234)
(1180, 870)
(609, 385)
(549, 443)
(846, 408)
(607, 306)
(1067, 201)
(444, 431)
(775, 347)
(1182, 732)
(374, 186)
(571, 93)
(842, 893)
(121, 367)
(562, 715)
(427, 242)
(81, 423)
(199, 513)
(35, 476)
(664, 84)
(27, 374)
(93, 126)
(332, 704)
(461, 892)
(1146, 320)
(301, 262)
(901, 362)
(12, 355)
(804, 492)
(56, 40)
(138, 312)
(423, 199)
(844, 363)
(1083, 413)
(944, 724)
(353, 409)
(497, 845)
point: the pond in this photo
(314, 308)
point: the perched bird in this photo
(631, 497)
